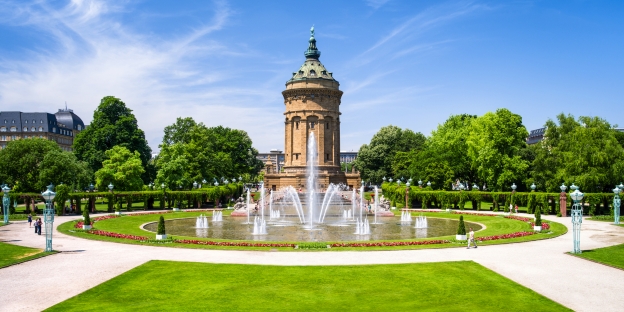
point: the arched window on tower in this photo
(312, 73)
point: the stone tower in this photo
(312, 99)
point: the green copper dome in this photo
(312, 67)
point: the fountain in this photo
(421, 222)
(217, 216)
(362, 227)
(259, 226)
(406, 216)
(201, 222)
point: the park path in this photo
(540, 265)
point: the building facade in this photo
(312, 100)
(274, 160)
(535, 136)
(60, 127)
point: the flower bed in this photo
(235, 244)
(545, 226)
(475, 214)
(504, 236)
(389, 244)
(117, 235)
(79, 224)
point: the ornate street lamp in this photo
(195, 184)
(216, 183)
(563, 187)
(461, 187)
(428, 183)
(616, 205)
(91, 187)
(577, 218)
(475, 186)
(573, 187)
(533, 187)
(48, 216)
(407, 184)
(6, 201)
(399, 182)
(233, 180)
(390, 180)
(110, 187)
(384, 178)
(407, 189)
(420, 183)
(162, 186)
(151, 186)
(513, 187)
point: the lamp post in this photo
(616, 205)
(420, 183)
(151, 186)
(475, 186)
(91, 187)
(195, 184)
(407, 188)
(577, 218)
(533, 187)
(6, 201)
(48, 216)
(428, 183)
(513, 187)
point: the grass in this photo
(186, 286)
(13, 254)
(613, 256)
(131, 225)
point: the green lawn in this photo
(187, 286)
(494, 226)
(12, 254)
(613, 256)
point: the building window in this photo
(297, 125)
(25, 137)
(41, 121)
(54, 129)
(25, 129)
(297, 156)
(41, 136)
(13, 121)
(312, 125)
(79, 127)
(13, 129)
(13, 138)
(25, 121)
(32, 129)
(40, 129)
(327, 125)
(34, 121)
(2, 129)
(4, 138)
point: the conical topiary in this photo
(87, 219)
(461, 229)
(161, 226)
(538, 217)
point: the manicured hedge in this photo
(548, 203)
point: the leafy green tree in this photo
(161, 226)
(63, 167)
(448, 145)
(439, 174)
(62, 195)
(586, 152)
(375, 159)
(122, 168)
(192, 152)
(113, 125)
(494, 144)
(20, 163)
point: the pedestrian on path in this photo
(38, 226)
(471, 239)
(29, 220)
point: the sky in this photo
(406, 63)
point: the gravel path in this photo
(540, 265)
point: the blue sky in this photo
(406, 63)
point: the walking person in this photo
(29, 220)
(38, 226)
(471, 239)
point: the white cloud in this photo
(94, 54)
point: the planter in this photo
(176, 209)
(118, 213)
(161, 237)
(537, 228)
(86, 227)
(460, 237)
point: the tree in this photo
(586, 152)
(20, 163)
(63, 167)
(494, 143)
(461, 228)
(192, 152)
(375, 159)
(113, 125)
(122, 168)
(161, 226)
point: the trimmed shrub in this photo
(461, 229)
(87, 219)
(538, 217)
(161, 226)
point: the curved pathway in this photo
(540, 265)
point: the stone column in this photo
(563, 203)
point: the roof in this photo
(69, 119)
(312, 68)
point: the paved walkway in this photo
(540, 265)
